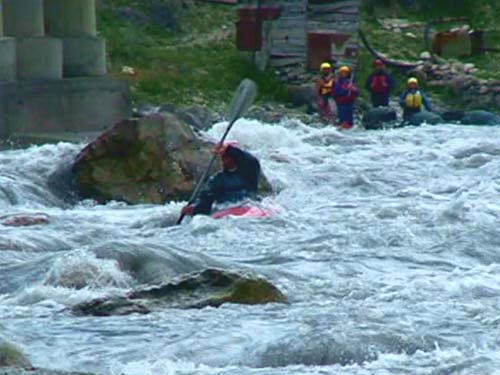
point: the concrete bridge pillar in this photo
(1, 18)
(7, 53)
(38, 56)
(23, 18)
(84, 53)
(72, 18)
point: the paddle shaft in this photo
(241, 101)
(197, 189)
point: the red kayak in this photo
(245, 211)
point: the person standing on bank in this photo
(237, 180)
(413, 100)
(324, 88)
(380, 84)
(345, 93)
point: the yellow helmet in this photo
(344, 68)
(325, 66)
(412, 80)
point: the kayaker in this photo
(324, 88)
(413, 99)
(345, 93)
(237, 180)
(380, 84)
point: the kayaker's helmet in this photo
(228, 163)
(232, 143)
(412, 81)
(344, 71)
(325, 67)
(378, 63)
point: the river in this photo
(386, 244)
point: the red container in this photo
(249, 27)
(249, 35)
(319, 49)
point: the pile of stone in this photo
(470, 91)
(398, 25)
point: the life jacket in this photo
(414, 100)
(326, 86)
(379, 84)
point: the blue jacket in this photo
(342, 94)
(230, 186)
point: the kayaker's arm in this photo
(248, 167)
(402, 98)
(426, 102)
(203, 205)
(392, 82)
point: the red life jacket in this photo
(379, 84)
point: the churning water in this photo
(386, 243)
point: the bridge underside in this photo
(53, 69)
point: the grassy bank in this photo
(196, 62)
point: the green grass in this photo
(197, 64)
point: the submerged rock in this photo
(453, 116)
(210, 287)
(378, 117)
(24, 220)
(12, 356)
(425, 117)
(151, 159)
(480, 117)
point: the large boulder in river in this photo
(210, 287)
(480, 117)
(379, 117)
(425, 117)
(151, 159)
(12, 356)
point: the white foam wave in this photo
(81, 269)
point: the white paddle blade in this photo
(242, 99)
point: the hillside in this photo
(183, 52)
(177, 54)
(407, 43)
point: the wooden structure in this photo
(304, 33)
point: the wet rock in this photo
(453, 116)
(481, 117)
(210, 287)
(198, 117)
(303, 95)
(151, 159)
(24, 220)
(425, 117)
(12, 356)
(379, 117)
(62, 185)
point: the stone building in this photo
(53, 69)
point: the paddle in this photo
(242, 99)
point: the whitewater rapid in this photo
(385, 242)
